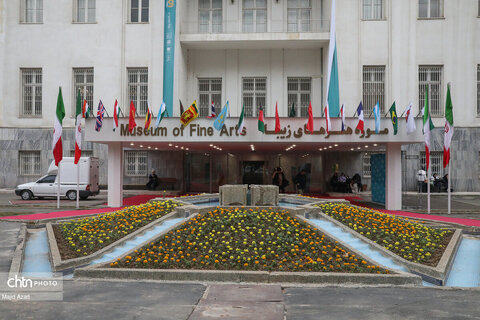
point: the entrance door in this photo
(252, 172)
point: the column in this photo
(393, 185)
(115, 174)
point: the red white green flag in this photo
(427, 128)
(57, 129)
(78, 128)
(261, 121)
(448, 128)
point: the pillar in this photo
(115, 174)
(393, 185)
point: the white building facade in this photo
(253, 53)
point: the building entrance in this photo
(252, 172)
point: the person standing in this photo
(278, 179)
(301, 181)
(152, 181)
(421, 178)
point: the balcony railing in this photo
(270, 26)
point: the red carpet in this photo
(60, 214)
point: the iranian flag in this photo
(241, 122)
(78, 127)
(261, 122)
(448, 128)
(427, 128)
(57, 130)
(116, 113)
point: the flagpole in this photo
(449, 188)
(428, 188)
(58, 185)
(78, 184)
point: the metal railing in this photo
(269, 26)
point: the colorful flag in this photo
(85, 109)
(261, 121)
(241, 122)
(148, 118)
(376, 113)
(411, 127)
(277, 120)
(131, 118)
(361, 123)
(310, 119)
(57, 129)
(327, 119)
(292, 113)
(393, 115)
(427, 128)
(161, 114)
(333, 99)
(448, 128)
(190, 114)
(78, 131)
(220, 120)
(213, 114)
(116, 113)
(342, 114)
(100, 112)
(181, 107)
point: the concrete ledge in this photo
(18, 254)
(248, 276)
(438, 273)
(59, 264)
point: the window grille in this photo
(367, 169)
(85, 11)
(33, 11)
(436, 162)
(210, 90)
(139, 10)
(83, 81)
(254, 15)
(136, 163)
(31, 93)
(254, 95)
(29, 163)
(430, 8)
(373, 88)
(210, 18)
(138, 89)
(299, 15)
(299, 92)
(431, 77)
(372, 9)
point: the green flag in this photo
(393, 114)
(292, 112)
(241, 122)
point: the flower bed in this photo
(411, 241)
(85, 236)
(246, 239)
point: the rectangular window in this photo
(85, 11)
(32, 11)
(372, 9)
(431, 77)
(135, 163)
(210, 16)
(436, 162)
(85, 153)
(430, 8)
(478, 90)
(299, 93)
(139, 10)
(254, 93)
(31, 92)
(367, 171)
(138, 88)
(210, 90)
(29, 163)
(299, 15)
(83, 81)
(254, 15)
(373, 88)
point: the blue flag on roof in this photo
(218, 123)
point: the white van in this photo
(47, 185)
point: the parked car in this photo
(47, 186)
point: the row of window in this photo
(210, 13)
(29, 162)
(254, 91)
